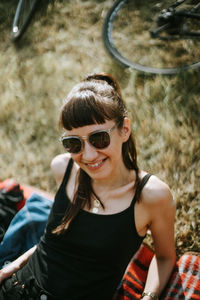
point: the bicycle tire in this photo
(23, 15)
(115, 52)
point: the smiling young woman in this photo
(102, 210)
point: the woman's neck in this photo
(121, 181)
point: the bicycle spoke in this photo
(177, 3)
(196, 8)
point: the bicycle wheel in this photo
(24, 12)
(127, 38)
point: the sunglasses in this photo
(98, 139)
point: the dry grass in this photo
(61, 47)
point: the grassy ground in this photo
(61, 47)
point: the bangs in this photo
(86, 109)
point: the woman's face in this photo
(101, 164)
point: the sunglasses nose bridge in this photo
(83, 139)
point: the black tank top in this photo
(88, 261)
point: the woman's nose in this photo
(89, 152)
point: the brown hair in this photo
(93, 101)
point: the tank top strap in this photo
(67, 172)
(140, 188)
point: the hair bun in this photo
(104, 77)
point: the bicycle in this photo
(22, 18)
(156, 37)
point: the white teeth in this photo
(95, 165)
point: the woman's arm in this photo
(162, 212)
(58, 165)
(16, 264)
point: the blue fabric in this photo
(25, 228)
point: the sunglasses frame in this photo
(86, 137)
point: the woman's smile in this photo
(95, 166)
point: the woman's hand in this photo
(16, 264)
(7, 272)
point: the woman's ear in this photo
(126, 129)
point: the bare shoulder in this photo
(156, 193)
(58, 165)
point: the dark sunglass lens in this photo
(100, 140)
(72, 145)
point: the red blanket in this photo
(184, 282)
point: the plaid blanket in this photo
(184, 282)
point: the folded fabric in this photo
(11, 197)
(26, 228)
(184, 282)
